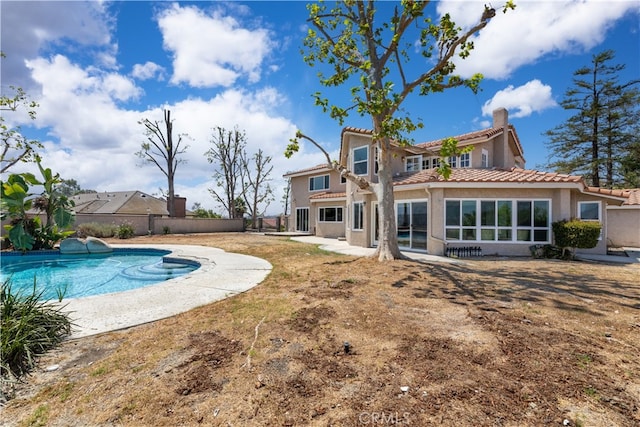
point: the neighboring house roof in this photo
(119, 202)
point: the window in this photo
(532, 223)
(589, 211)
(319, 183)
(485, 158)
(413, 164)
(465, 160)
(358, 216)
(330, 214)
(302, 219)
(453, 161)
(493, 220)
(361, 160)
(375, 163)
(435, 162)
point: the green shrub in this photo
(30, 327)
(166, 230)
(576, 234)
(96, 229)
(125, 230)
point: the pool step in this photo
(160, 270)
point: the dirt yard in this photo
(334, 340)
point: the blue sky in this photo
(97, 68)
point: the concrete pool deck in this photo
(221, 274)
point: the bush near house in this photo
(575, 234)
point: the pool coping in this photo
(221, 275)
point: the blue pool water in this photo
(85, 275)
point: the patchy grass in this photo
(514, 342)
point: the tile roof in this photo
(487, 133)
(494, 175)
(478, 134)
(632, 195)
(327, 195)
(308, 170)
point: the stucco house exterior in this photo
(490, 201)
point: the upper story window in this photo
(465, 160)
(453, 161)
(413, 163)
(435, 162)
(485, 158)
(375, 163)
(361, 160)
(317, 183)
(589, 211)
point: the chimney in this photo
(179, 206)
(501, 154)
(500, 118)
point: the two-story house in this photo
(490, 201)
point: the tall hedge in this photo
(576, 234)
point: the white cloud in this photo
(534, 29)
(148, 70)
(27, 30)
(521, 101)
(95, 139)
(212, 50)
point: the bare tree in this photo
(161, 150)
(285, 196)
(359, 47)
(226, 152)
(256, 173)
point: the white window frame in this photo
(365, 161)
(599, 220)
(326, 180)
(485, 158)
(376, 166)
(580, 204)
(465, 160)
(415, 161)
(322, 217)
(358, 216)
(476, 229)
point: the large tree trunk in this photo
(388, 235)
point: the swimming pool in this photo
(86, 275)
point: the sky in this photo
(97, 69)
